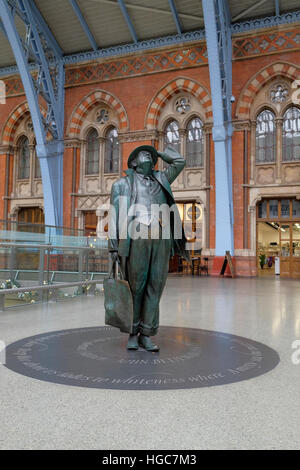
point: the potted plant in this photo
(262, 260)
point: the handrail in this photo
(29, 224)
(46, 246)
(16, 290)
(45, 287)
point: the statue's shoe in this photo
(133, 342)
(146, 343)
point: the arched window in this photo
(24, 158)
(172, 136)
(194, 143)
(265, 137)
(92, 153)
(291, 135)
(112, 152)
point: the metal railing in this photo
(49, 289)
(47, 255)
(16, 226)
(44, 268)
(22, 232)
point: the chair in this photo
(183, 265)
(196, 262)
(204, 267)
(180, 264)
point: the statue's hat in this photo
(147, 148)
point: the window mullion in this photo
(265, 137)
(279, 153)
(182, 135)
(31, 166)
(111, 151)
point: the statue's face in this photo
(143, 162)
(142, 157)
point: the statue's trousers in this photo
(147, 270)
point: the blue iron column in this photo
(218, 39)
(44, 90)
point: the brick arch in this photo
(254, 85)
(10, 127)
(13, 120)
(90, 101)
(173, 87)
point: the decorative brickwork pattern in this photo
(184, 57)
(176, 86)
(255, 84)
(13, 121)
(14, 86)
(137, 65)
(267, 43)
(90, 101)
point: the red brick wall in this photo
(135, 94)
(237, 189)
(212, 199)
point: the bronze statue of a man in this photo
(146, 244)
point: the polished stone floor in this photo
(260, 413)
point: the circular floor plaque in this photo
(96, 357)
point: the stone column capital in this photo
(4, 149)
(71, 143)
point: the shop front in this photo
(191, 214)
(278, 237)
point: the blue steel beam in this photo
(2, 29)
(49, 35)
(219, 48)
(249, 25)
(120, 50)
(84, 24)
(50, 88)
(128, 20)
(175, 16)
(45, 75)
(277, 8)
(249, 9)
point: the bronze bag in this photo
(118, 301)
